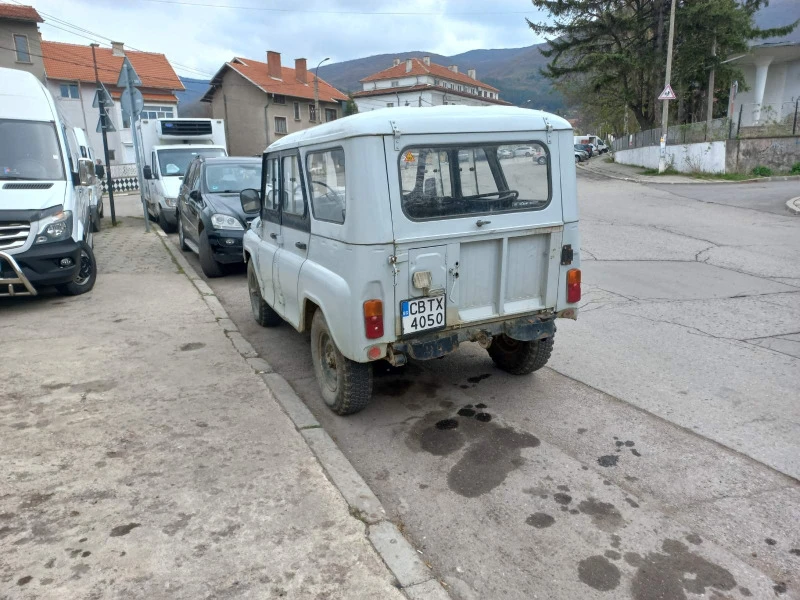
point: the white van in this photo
(45, 228)
(96, 191)
(167, 148)
(402, 233)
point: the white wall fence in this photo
(123, 178)
(703, 157)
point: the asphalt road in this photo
(659, 455)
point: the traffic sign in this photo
(127, 75)
(132, 102)
(667, 94)
(101, 96)
(109, 123)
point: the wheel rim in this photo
(255, 294)
(327, 362)
(85, 271)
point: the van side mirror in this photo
(251, 200)
(86, 175)
(147, 172)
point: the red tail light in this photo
(573, 286)
(373, 319)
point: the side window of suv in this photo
(292, 187)
(271, 182)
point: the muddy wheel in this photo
(520, 358)
(346, 385)
(262, 312)
(86, 276)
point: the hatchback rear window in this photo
(454, 181)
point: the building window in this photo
(280, 125)
(389, 104)
(70, 90)
(312, 113)
(111, 155)
(296, 111)
(278, 99)
(395, 83)
(330, 114)
(157, 112)
(21, 46)
(126, 120)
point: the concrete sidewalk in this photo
(144, 457)
(602, 165)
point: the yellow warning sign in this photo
(409, 157)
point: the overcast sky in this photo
(203, 37)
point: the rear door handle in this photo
(300, 245)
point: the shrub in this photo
(760, 171)
(796, 168)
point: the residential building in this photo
(20, 41)
(419, 82)
(71, 80)
(261, 101)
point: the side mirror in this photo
(147, 172)
(251, 200)
(86, 175)
(195, 195)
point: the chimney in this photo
(395, 62)
(426, 60)
(274, 64)
(409, 65)
(117, 49)
(300, 70)
(471, 73)
(453, 68)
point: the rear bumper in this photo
(21, 273)
(441, 343)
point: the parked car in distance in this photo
(211, 222)
(584, 155)
(442, 255)
(524, 151)
(588, 148)
(505, 153)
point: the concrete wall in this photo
(706, 157)
(242, 105)
(779, 154)
(8, 58)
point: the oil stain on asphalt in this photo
(598, 573)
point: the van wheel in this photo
(520, 358)
(262, 312)
(163, 223)
(86, 276)
(211, 268)
(346, 385)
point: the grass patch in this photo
(724, 176)
(668, 171)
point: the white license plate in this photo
(422, 314)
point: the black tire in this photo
(163, 223)
(541, 160)
(577, 159)
(520, 358)
(346, 385)
(95, 222)
(100, 212)
(211, 268)
(182, 235)
(262, 312)
(87, 274)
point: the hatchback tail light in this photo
(573, 286)
(373, 319)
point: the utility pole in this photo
(103, 127)
(710, 108)
(316, 90)
(662, 160)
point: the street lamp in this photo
(316, 90)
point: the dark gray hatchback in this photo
(210, 217)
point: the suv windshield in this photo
(232, 177)
(454, 181)
(29, 150)
(175, 162)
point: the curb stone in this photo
(692, 181)
(415, 577)
(794, 205)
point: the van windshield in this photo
(454, 181)
(175, 162)
(29, 150)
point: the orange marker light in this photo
(573, 286)
(373, 319)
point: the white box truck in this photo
(167, 147)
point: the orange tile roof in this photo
(16, 12)
(256, 72)
(391, 91)
(420, 68)
(73, 62)
(116, 94)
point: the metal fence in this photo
(750, 121)
(123, 178)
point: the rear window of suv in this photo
(459, 180)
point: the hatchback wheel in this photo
(163, 223)
(346, 385)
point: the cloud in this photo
(199, 39)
